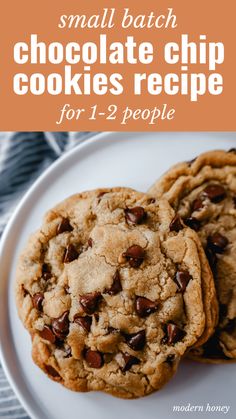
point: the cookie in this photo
(203, 192)
(111, 293)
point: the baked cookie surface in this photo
(203, 192)
(111, 292)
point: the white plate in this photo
(127, 159)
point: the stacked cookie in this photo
(115, 288)
(203, 194)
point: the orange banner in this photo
(117, 66)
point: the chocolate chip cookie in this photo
(111, 292)
(203, 192)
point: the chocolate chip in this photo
(70, 254)
(51, 371)
(47, 334)
(90, 301)
(116, 285)
(182, 279)
(90, 242)
(197, 204)
(64, 226)
(130, 360)
(193, 223)
(176, 224)
(214, 192)
(136, 341)
(234, 201)
(135, 215)
(46, 272)
(94, 358)
(144, 306)
(232, 150)
(85, 322)
(217, 243)
(134, 255)
(60, 326)
(37, 300)
(174, 333)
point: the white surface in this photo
(127, 159)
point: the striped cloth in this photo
(23, 157)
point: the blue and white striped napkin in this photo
(23, 157)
